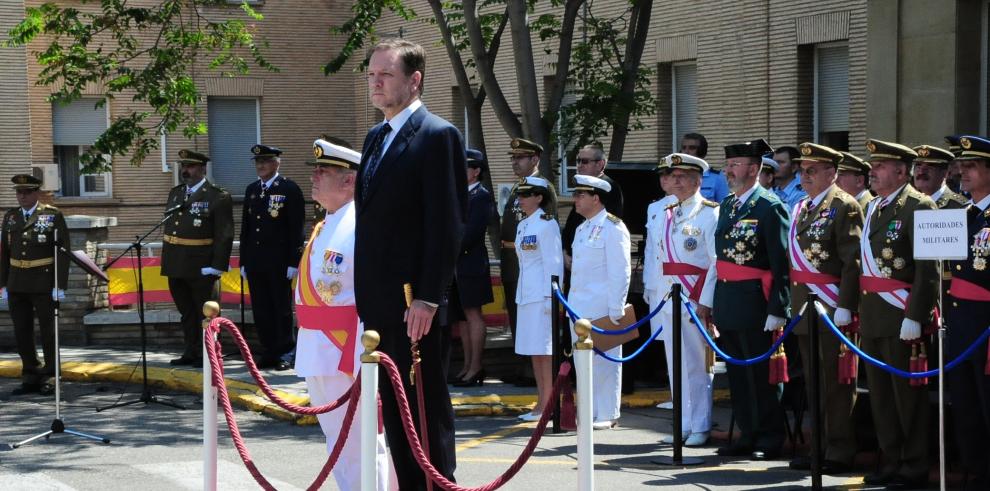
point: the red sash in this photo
(965, 290)
(338, 324)
(685, 269)
(813, 278)
(737, 272)
(875, 284)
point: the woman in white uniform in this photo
(540, 254)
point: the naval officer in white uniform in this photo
(600, 273)
(540, 256)
(327, 348)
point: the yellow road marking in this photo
(494, 436)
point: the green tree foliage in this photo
(146, 54)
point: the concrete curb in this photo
(249, 396)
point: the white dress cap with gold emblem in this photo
(685, 162)
(533, 182)
(327, 154)
(591, 184)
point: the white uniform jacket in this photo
(601, 267)
(687, 236)
(330, 272)
(652, 262)
(540, 255)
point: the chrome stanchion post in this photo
(815, 376)
(211, 310)
(583, 352)
(677, 386)
(941, 383)
(555, 347)
(369, 410)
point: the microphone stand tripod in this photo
(58, 426)
(146, 396)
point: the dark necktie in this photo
(376, 155)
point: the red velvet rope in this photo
(424, 462)
(216, 367)
(220, 322)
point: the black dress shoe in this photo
(26, 389)
(476, 380)
(884, 476)
(47, 389)
(184, 360)
(766, 454)
(904, 482)
(282, 366)
(734, 451)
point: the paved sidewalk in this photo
(123, 365)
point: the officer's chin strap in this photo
(416, 380)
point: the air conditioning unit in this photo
(48, 173)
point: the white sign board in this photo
(940, 234)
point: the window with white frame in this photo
(684, 101)
(75, 126)
(233, 129)
(831, 95)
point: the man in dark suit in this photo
(27, 278)
(897, 299)
(752, 296)
(411, 205)
(473, 285)
(967, 313)
(271, 244)
(590, 161)
(195, 248)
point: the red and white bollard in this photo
(211, 310)
(369, 411)
(583, 354)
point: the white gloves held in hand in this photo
(910, 329)
(774, 323)
(843, 317)
(210, 271)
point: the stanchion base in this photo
(146, 398)
(683, 461)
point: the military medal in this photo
(332, 261)
(275, 203)
(887, 253)
(899, 263)
(197, 222)
(42, 237)
(979, 263)
(893, 230)
(690, 244)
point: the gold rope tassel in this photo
(414, 349)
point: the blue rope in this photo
(894, 370)
(574, 316)
(634, 353)
(736, 361)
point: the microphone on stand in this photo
(175, 208)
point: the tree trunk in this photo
(639, 26)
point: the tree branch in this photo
(485, 66)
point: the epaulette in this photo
(612, 218)
(546, 216)
(710, 204)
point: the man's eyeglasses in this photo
(587, 161)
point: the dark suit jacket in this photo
(410, 219)
(208, 220)
(965, 320)
(33, 241)
(272, 226)
(473, 260)
(741, 304)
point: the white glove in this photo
(616, 317)
(56, 294)
(648, 296)
(910, 329)
(774, 323)
(3, 294)
(291, 273)
(243, 272)
(210, 271)
(842, 317)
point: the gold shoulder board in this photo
(614, 219)
(710, 204)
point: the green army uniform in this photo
(900, 411)
(511, 216)
(853, 163)
(944, 198)
(751, 235)
(200, 235)
(27, 271)
(824, 240)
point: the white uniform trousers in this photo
(696, 382)
(607, 378)
(324, 389)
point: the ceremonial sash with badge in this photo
(691, 277)
(803, 269)
(894, 292)
(337, 322)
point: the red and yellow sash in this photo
(337, 322)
